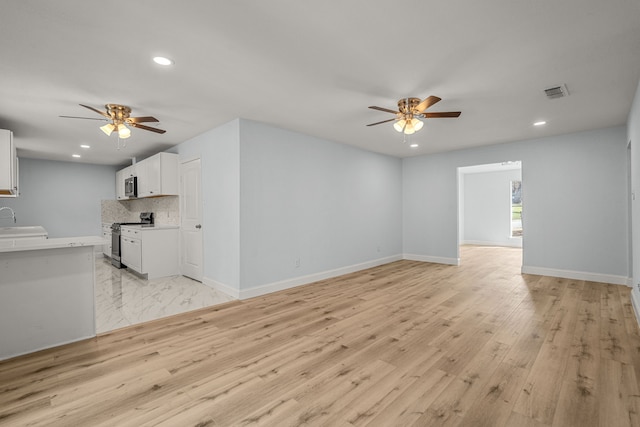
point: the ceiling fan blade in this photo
(102, 113)
(85, 118)
(384, 121)
(442, 114)
(386, 110)
(428, 102)
(141, 119)
(139, 126)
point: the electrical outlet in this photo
(297, 262)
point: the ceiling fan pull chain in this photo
(122, 143)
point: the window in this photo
(516, 208)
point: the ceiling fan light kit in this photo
(408, 126)
(399, 125)
(123, 131)
(108, 128)
(409, 109)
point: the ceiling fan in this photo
(118, 117)
(410, 109)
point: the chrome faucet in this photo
(13, 214)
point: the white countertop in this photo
(15, 245)
(155, 227)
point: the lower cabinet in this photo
(106, 234)
(131, 253)
(151, 251)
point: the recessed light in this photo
(85, 146)
(161, 60)
(76, 156)
(540, 123)
(414, 146)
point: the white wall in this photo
(325, 204)
(575, 187)
(274, 197)
(430, 211)
(282, 208)
(487, 208)
(219, 151)
(633, 135)
(63, 197)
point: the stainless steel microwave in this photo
(131, 187)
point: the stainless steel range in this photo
(146, 220)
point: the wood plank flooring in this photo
(404, 344)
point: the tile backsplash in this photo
(165, 209)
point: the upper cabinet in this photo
(120, 185)
(8, 165)
(121, 175)
(156, 176)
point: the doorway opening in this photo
(490, 206)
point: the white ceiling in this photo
(314, 68)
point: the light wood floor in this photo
(405, 344)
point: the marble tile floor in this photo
(124, 299)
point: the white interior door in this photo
(191, 220)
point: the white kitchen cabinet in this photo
(120, 185)
(150, 251)
(121, 175)
(131, 253)
(145, 188)
(158, 175)
(106, 234)
(8, 165)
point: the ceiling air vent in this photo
(557, 92)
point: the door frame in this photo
(461, 171)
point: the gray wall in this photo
(487, 208)
(325, 204)
(576, 200)
(63, 197)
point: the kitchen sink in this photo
(29, 231)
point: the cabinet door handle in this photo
(198, 226)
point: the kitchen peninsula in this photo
(46, 293)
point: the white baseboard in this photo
(577, 275)
(434, 259)
(635, 302)
(512, 243)
(304, 280)
(221, 287)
